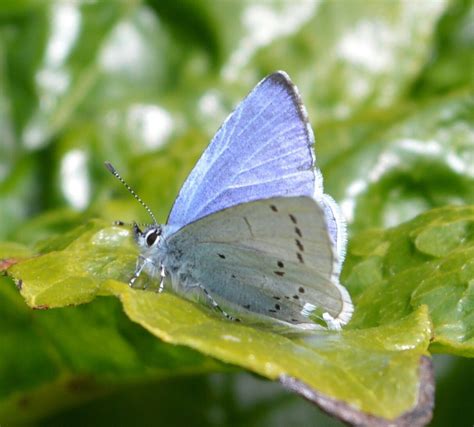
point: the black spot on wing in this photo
(221, 256)
(280, 264)
(300, 257)
(293, 219)
(300, 245)
(298, 231)
(273, 208)
(301, 290)
(279, 273)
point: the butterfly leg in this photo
(216, 305)
(162, 279)
(141, 262)
(136, 275)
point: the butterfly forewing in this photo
(264, 149)
(272, 257)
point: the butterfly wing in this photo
(336, 225)
(263, 149)
(271, 257)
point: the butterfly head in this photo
(148, 238)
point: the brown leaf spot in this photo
(7, 263)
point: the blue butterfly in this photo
(251, 231)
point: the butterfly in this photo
(251, 231)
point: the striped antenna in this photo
(114, 172)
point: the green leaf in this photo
(427, 261)
(74, 265)
(340, 366)
(80, 267)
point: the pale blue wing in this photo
(263, 149)
(271, 257)
(336, 225)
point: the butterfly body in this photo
(251, 231)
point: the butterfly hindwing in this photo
(264, 149)
(336, 225)
(272, 257)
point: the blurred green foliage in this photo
(145, 84)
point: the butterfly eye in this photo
(151, 237)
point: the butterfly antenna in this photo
(114, 172)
